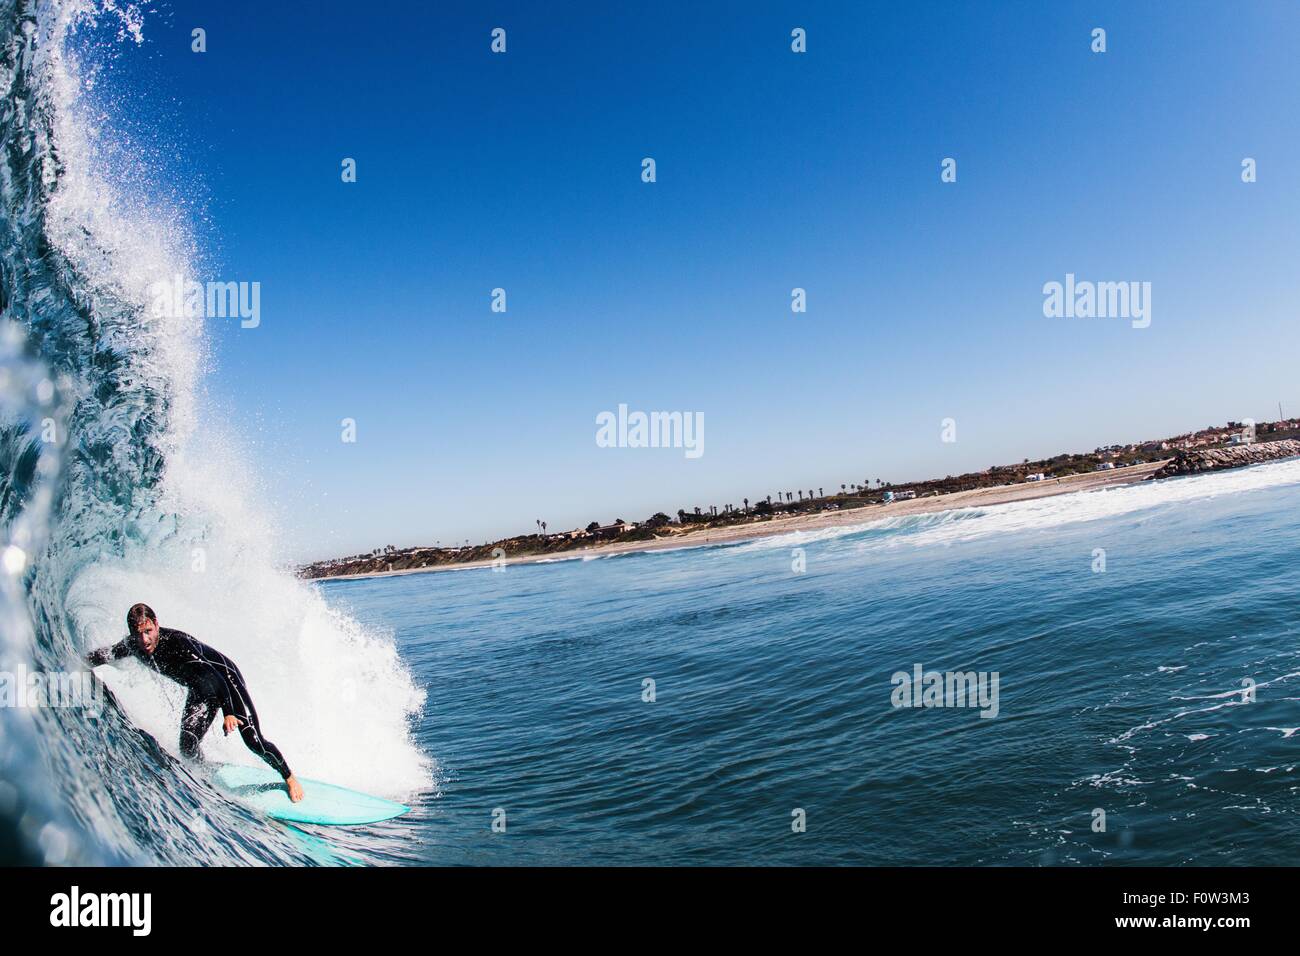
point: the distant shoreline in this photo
(814, 521)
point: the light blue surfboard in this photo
(263, 789)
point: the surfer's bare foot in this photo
(295, 788)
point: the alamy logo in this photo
(183, 298)
(651, 430)
(923, 688)
(1101, 300)
(32, 689)
(103, 909)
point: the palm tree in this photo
(821, 492)
(746, 500)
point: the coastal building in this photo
(618, 527)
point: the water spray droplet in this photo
(14, 559)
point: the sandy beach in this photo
(758, 528)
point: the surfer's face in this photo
(146, 632)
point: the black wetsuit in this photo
(213, 681)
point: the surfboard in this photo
(323, 803)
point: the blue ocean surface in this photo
(1121, 691)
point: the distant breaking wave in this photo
(962, 524)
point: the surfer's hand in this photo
(232, 724)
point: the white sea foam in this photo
(331, 693)
(964, 524)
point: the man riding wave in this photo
(213, 681)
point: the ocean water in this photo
(1120, 690)
(521, 696)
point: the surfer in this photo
(213, 682)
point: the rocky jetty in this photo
(1227, 456)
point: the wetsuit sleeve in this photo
(114, 652)
(232, 688)
(228, 696)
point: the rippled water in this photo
(1119, 691)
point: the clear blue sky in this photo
(775, 170)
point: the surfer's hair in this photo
(137, 614)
